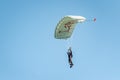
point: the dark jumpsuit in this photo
(70, 57)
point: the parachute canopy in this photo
(66, 25)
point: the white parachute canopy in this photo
(66, 25)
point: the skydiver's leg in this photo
(71, 63)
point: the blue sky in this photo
(29, 51)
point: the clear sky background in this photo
(29, 51)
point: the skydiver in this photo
(69, 53)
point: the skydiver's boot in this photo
(71, 65)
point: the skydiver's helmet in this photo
(69, 49)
